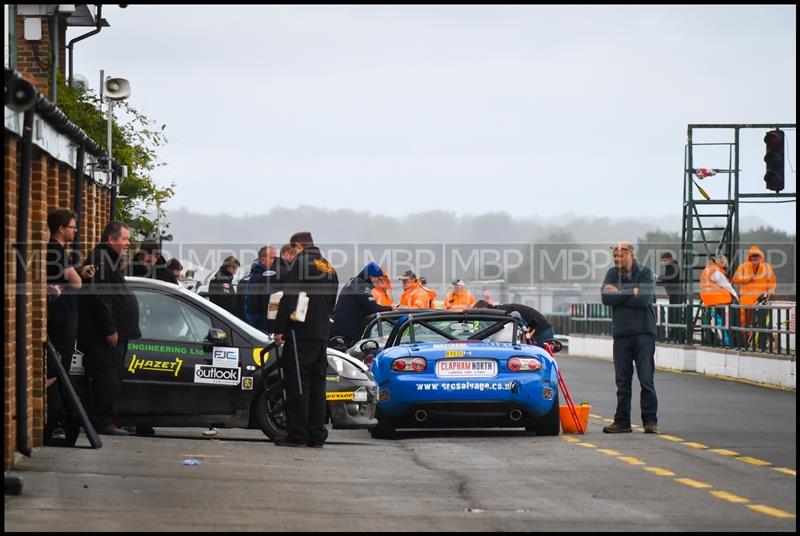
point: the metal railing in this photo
(766, 328)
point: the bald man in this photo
(629, 288)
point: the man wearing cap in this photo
(414, 296)
(356, 302)
(459, 298)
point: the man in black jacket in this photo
(109, 318)
(629, 289)
(307, 339)
(356, 303)
(670, 279)
(221, 290)
(253, 289)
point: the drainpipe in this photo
(54, 57)
(82, 37)
(79, 165)
(23, 440)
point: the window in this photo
(163, 317)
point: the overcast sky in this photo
(549, 110)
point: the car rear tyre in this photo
(271, 415)
(548, 424)
(385, 429)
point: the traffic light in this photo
(774, 160)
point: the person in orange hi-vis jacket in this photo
(459, 298)
(383, 290)
(755, 279)
(431, 293)
(414, 296)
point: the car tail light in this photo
(408, 364)
(524, 364)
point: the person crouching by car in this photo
(539, 329)
(356, 302)
(108, 318)
(221, 290)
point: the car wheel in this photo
(271, 415)
(385, 429)
(548, 424)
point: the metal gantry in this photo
(702, 234)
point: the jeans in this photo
(258, 321)
(546, 335)
(638, 349)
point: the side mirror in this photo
(369, 347)
(338, 343)
(555, 345)
(217, 336)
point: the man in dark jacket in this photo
(629, 289)
(145, 260)
(356, 302)
(539, 329)
(307, 339)
(221, 290)
(109, 318)
(254, 291)
(670, 279)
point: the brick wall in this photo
(33, 57)
(9, 296)
(52, 186)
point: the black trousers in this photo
(105, 366)
(306, 412)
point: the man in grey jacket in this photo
(629, 288)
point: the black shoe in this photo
(113, 429)
(616, 428)
(651, 428)
(145, 431)
(286, 443)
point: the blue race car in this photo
(464, 369)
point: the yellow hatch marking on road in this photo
(588, 445)
(754, 461)
(610, 452)
(693, 483)
(659, 471)
(608, 420)
(785, 470)
(593, 416)
(570, 439)
(771, 511)
(670, 437)
(694, 445)
(631, 460)
(730, 497)
(636, 426)
(724, 452)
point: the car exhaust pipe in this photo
(515, 415)
(421, 415)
